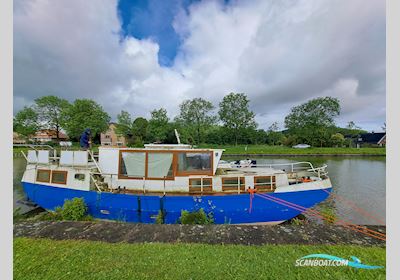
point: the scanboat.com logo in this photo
(329, 260)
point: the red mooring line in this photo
(351, 226)
(356, 208)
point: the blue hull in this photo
(232, 209)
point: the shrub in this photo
(74, 210)
(196, 218)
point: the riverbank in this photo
(81, 259)
(105, 231)
(265, 150)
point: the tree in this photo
(139, 130)
(49, 109)
(159, 125)
(384, 126)
(273, 127)
(310, 121)
(234, 112)
(26, 122)
(85, 113)
(274, 136)
(337, 139)
(124, 124)
(352, 125)
(196, 114)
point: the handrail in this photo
(95, 162)
(26, 158)
(94, 181)
(294, 166)
(36, 145)
(33, 146)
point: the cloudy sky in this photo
(141, 55)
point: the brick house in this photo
(47, 135)
(111, 138)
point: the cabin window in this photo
(195, 163)
(133, 164)
(265, 183)
(59, 177)
(195, 184)
(231, 183)
(43, 176)
(159, 165)
(80, 176)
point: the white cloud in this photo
(279, 53)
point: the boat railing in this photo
(54, 158)
(295, 167)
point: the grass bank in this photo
(68, 259)
(272, 150)
(281, 150)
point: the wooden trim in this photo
(121, 176)
(233, 188)
(266, 188)
(187, 173)
(170, 178)
(43, 170)
(175, 166)
(59, 172)
(209, 187)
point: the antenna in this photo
(177, 136)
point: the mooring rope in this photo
(358, 228)
(353, 206)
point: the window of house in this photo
(159, 165)
(80, 176)
(195, 184)
(232, 183)
(59, 177)
(43, 176)
(133, 164)
(107, 136)
(195, 163)
(265, 183)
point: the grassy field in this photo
(47, 259)
(278, 150)
(274, 150)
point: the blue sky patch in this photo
(153, 19)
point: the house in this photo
(47, 135)
(18, 139)
(373, 138)
(111, 138)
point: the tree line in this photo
(198, 122)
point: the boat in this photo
(140, 184)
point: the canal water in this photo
(358, 179)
